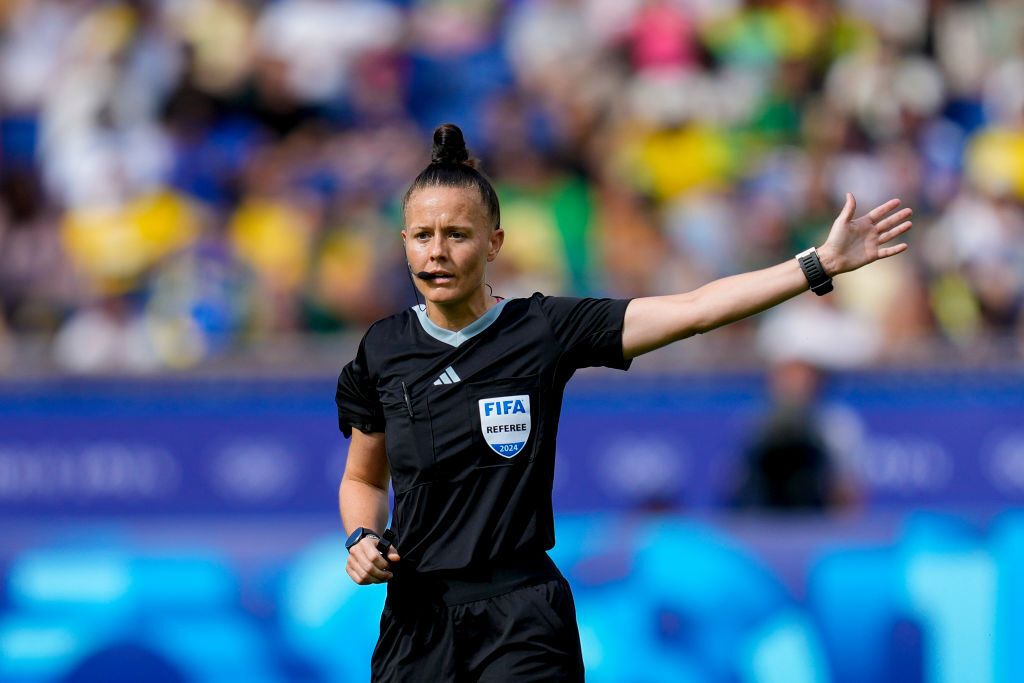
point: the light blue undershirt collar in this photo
(456, 337)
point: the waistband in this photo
(480, 583)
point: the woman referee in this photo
(457, 402)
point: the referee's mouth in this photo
(437, 277)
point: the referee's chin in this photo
(447, 293)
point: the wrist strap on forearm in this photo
(815, 273)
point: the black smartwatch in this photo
(815, 273)
(358, 535)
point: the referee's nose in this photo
(438, 247)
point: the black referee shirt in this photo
(470, 419)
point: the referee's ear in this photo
(497, 239)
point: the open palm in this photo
(855, 242)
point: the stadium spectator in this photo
(135, 134)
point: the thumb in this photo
(848, 209)
(393, 555)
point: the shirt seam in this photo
(551, 331)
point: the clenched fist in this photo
(365, 565)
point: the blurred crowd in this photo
(183, 179)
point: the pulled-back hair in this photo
(450, 166)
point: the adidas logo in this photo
(447, 377)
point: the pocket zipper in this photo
(408, 402)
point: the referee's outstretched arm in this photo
(363, 500)
(653, 322)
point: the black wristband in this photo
(815, 273)
(384, 543)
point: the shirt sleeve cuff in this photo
(347, 423)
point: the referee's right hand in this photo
(365, 565)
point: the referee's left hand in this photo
(855, 242)
(365, 565)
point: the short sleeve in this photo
(589, 330)
(356, 397)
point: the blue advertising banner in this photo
(258, 446)
(876, 598)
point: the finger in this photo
(379, 561)
(393, 555)
(886, 252)
(892, 220)
(355, 575)
(373, 574)
(894, 232)
(369, 561)
(876, 213)
(354, 568)
(849, 208)
(368, 552)
(377, 569)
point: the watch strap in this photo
(817, 278)
(358, 535)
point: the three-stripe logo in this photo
(448, 377)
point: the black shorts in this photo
(517, 624)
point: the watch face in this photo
(354, 538)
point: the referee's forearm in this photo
(653, 322)
(738, 296)
(362, 505)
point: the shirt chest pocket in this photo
(503, 417)
(408, 439)
(447, 431)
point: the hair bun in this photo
(449, 145)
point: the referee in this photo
(457, 402)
